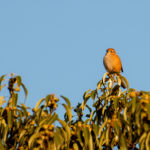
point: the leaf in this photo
(148, 110)
(142, 137)
(107, 135)
(116, 126)
(67, 129)
(147, 142)
(93, 94)
(123, 145)
(91, 143)
(32, 140)
(49, 120)
(25, 90)
(68, 108)
(47, 99)
(68, 112)
(9, 117)
(125, 114)
(1, 146)
(19, 81)
(67, 101)
(99, 84)
(14, 99)
(119, 80)
(22, 134)
(92, 115)
(5, 134)
(58, 138)
(86, 96)
(116, 101)
(86, 135)
(133, 104)
(110, 84)
(126, 81)
(104, 77)
(53, 118)
(38, 104)
(75, 146)
(1, 79)
(24, 110)
(101, 141)
(101, 127)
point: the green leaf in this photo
(58, 138)
(119, 80)
(99, 84)
(32, 140)
(147, 142)
(67, 129)
(104, 77)
(25, 90)
(49, 120)
(123, 145)
(116, 101)
(68, 112)
(148, 110)
(14, 99)
(38, 104)
(5, 135)
(93, 94)
(9, 117)
(75, 146)
(101, 141)
(1, 79)
(19, 81)
(142, 137)
(67, 101)
(47, 99)
(126, 81)
(68, 108)
(107, 135)
(91, 115)
(23, 132)
(86, 135)
(102, 127)
(133, 104)
(24, 110)
(1, 146)
(86, 96)
(116, 126)
(53, 118)
(91, 142)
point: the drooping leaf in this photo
(67, 101)
(25, 90)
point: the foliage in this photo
(118, 119)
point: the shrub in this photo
(117, 119)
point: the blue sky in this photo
(57, 46)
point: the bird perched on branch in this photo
(113, 63)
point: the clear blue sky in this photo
(57, 46)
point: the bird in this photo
(112, 63)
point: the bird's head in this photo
(110, 51)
